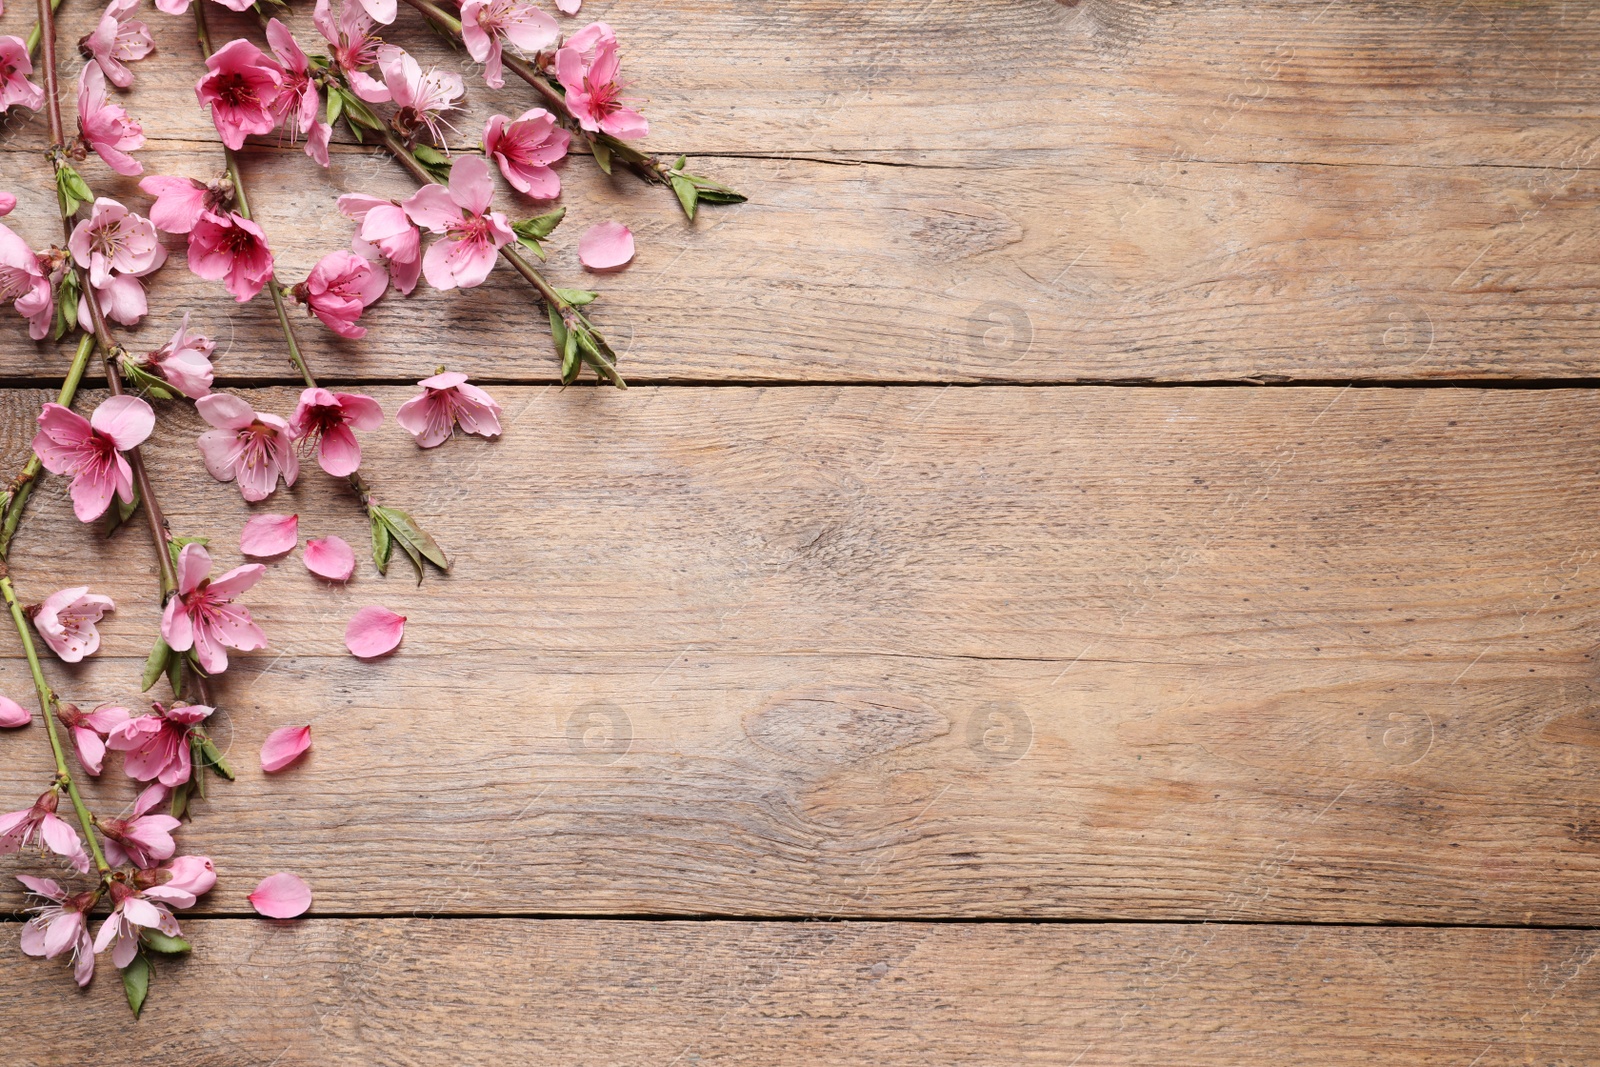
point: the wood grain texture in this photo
(415, 992)
(1297, 654)
(1133, 215)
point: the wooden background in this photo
(1097, 566)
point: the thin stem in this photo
(21, 487)
(35, 36)
(47, 708)
(52, 92)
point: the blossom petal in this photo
(331, 558)
(265, 536)
(283, 746)
(281, 896)
(605, 246)
(13, 714)
(374, 631)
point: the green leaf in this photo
(213, 758)
(156, 941)
(335, 105)
(436, 163)
(688, 196)
(73, 189)
(382, 545)
(180, 800)
(569, 358)
(67, 291)
(136, 983)
(197, 778)
(531, 245)
(175, 546)
(175, 666)
(411, 537)
(680, 163)
(156, 665)
(120, 512)
(577, 297)
(602, 153)
(720, 196)
(540, 226)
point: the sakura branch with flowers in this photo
(125, 869)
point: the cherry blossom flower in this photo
(281, 896)
(66, 620)
(265, 536)
(91, 450)
(446, 400)
(26, 283)
(331, 558)
(183, 362)
(231, 248)
(593, 94)
(179, 883)
(283, 746)
(524, 148)
(242, 85)
(182, 202)
(157, 744)
(485, 24)
(374, 631)
(250, 446)
(605, 246)
(131, 911)
(202, 614)
(474, 233)
(323, 421)
(116, 41)
(386, 230)
(13, 715)
(60, 926)
(114, 238)
(419, 97)
(88, 732)
(141, 838)
(299, 102)
(15, 66)
(40, 825)
(340, 288)
(104, 126)
(354, 47)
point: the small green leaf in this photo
(540, 226)
(411, 536)
(569, 358)
(335, 104)
(180, 800)
(602, 153)
(577, 297)
(156, 665)
(213, 757)
(720, 196)
(156, 941)
(120, 512)
(67, 291)
(688, 196)
(680, 163)
(74, 191)
(382, 545)
(136, 983)
(531, 245)
(175, 671)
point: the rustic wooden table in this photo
(1096, 567)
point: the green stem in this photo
(16, 496)
(47, 708)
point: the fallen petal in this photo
(283, 746)
(13, 714)
(281, 896)
(270, 535)
(605, 246)
(374, 631)
(331, 558)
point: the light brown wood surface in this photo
(865, 629)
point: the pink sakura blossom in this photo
(88, 732)
(474, 233)
(299, 103)
(485, 24)
(184, 362)
(157, 744)
(66, 620)
(253, 447)
(104, 126)
(242, 85)
(113, 238)
(231, 248)
(524, 148)
(265, 536)
(202, 614)
(116, 41)
(60, 926)
(331, 558)
(12, 714)
(340, 288)
(594, 95)
(323, 421)
(419, 97)
(25, 282)
(131, 911)
(446, 400)
(354, 47)
(283, 746)
(40, 825)
(605, 246)
(141, 838)
(91, 450)
(281, 896)
(179, 883)
(15, 66)
(374, 631)
(569, 7)
(181, 202)
(385, 230)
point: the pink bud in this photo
(281, 896)
(373, 632)
(269, 535)
(283, 746)
(13, 714)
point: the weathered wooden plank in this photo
(437, 992)
(1268, 654)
